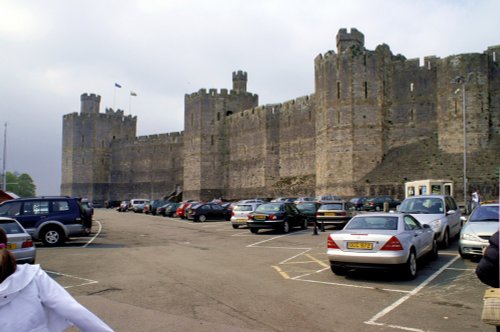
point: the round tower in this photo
(240, 81)
(90, 103)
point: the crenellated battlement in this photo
(346, 40)
(214, 93)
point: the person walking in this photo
(476, 199)
(487, 269)
(30, 300)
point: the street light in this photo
(462, 80)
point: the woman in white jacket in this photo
(30, 300)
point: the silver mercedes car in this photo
(476, 232)
(381, 241)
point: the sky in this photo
(53, 51)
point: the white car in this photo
(388, 241)
(480, 226)
(438, 211)
(19, 241)
(239, 215)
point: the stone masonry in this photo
(374, 121)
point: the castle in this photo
(374, 121)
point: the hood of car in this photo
(427, 218)
(480, 227)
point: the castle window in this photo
(114, 137)
(338, 90)
(229, 113)
(366, 89)
(364, 60)
(212, 140)
(411, 114)
(83, 139)
(218, 116)
(310, 116)
(338, 116)
(456, 107)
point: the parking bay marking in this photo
(378, 316)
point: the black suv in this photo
(49, 219)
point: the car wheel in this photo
(377, 208)
(286, 227)
(445, 243)
(52, 236)
(254, 230)
(337, 270)
(434, 251)
(410, 267)
(202, 218)
(304, 224)
(236, 226)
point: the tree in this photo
(21, 185)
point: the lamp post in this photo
(462, 81)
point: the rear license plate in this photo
(259, 217)
(360, 245)
(330, 214)
(11, 246)
(241, 220)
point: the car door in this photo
(216, 212)
(422, 238)
(452, 215)
(33, 213)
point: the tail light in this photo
(393, 244)
(232, 214)
(249, 216)
(343, 213)
(331, 244)
(27, 244)
(319, 214)
(272, 217)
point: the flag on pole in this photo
(118, 85)
(132, 93)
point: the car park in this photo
(441, 212)
(49, 219)
(477, 230)
(377, 203)
(240, 213)
(276, 215)
(19, 242)
(388, 241)
(335, 213)
(207, 211)
(301, 200)
(152, 207)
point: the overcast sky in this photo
(53, 51)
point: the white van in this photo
(137, 204)
(428, 187)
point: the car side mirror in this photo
(450, 212)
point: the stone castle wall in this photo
(370, 111)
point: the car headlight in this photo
(470, 237)
(435, 225)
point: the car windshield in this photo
(485, 213)
(307, 207)
(335, 206)
(242, 208)
(269, 208)
(11, 227)
(375, 222)
(422, 205)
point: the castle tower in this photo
(345, 40)
(90, 103)
(240, 81)
(87, 137)
(206, 152)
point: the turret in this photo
(240, 81)
(345, 39)
(90, 103)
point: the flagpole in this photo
(114, 100)
(130, 103)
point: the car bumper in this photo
(239, 221)
(352, 258)
(333, 221)
(469, 247)
(25, 255)
(275, 224)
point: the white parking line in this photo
(95, 236)
(87, 281)
(373, 320)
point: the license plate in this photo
(360, 245)
(330, 214)
(259, 217)
(241, 220)
(11, 246)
